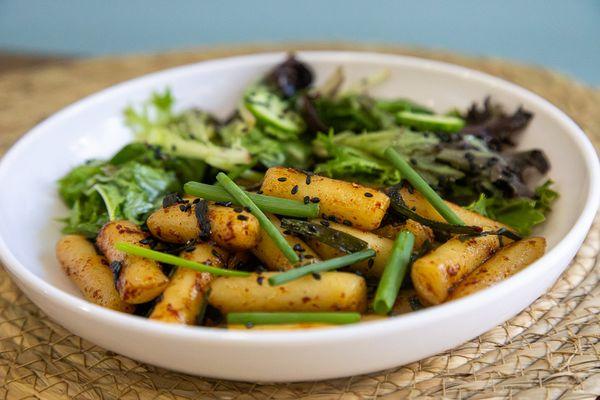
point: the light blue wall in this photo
(563, 35)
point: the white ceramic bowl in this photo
(92, 127)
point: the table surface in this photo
(561, 35)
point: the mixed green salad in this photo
(335, 129)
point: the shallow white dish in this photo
(92, 128)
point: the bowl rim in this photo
(365, 329)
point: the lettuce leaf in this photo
(520, 213)
(128, 186)
(187, 134)
(361, 156)
(352, 163)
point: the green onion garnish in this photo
(174, 260)
(328, 265)
(394, 273)
(242, 198)
(268, 318)
(422, 187)
(270, 204)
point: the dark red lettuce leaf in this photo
(494, 126)
(290, 77)
(314, 123)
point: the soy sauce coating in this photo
(339, 200)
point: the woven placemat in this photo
(550, 350)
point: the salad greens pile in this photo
(283, 119)
(128, 186)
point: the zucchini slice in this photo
(438, 123)
(273, 111)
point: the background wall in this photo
(564, 35)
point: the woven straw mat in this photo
(549, 351)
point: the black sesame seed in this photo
(238, 209)
(332, 218)
(247, 209)
(315, 200)
(116, 266)
(171, 199)
(282, 179)
(306, 199)
(242, 217)
(308, 179)
(367, 194)
(147, 240)
(347, 223)
(308, 256)
(249, 325)
(298, 247)
(183, 207)
(316, 276)
(295, 189)
(196, 201)
(260, 280)
(324, 223)
(259, 192)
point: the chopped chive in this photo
(420, 185)
(328, 265)
(268, 318)
(394, 273)
(242, 198)
(174, 260)
(270, 204)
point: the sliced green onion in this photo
(334, 263)
(324, 234)
(174, 260)
(422, 187)
(269, 318)
(398, 205)
(443, 123)
(242, 198)
(394, 273)
(270, 204)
